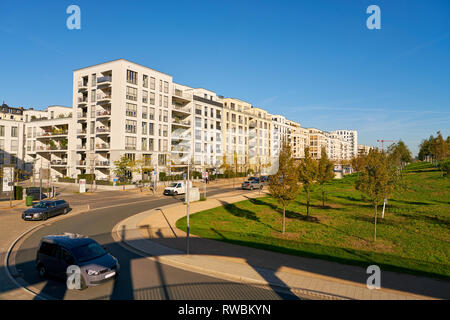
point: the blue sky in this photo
(312, 61)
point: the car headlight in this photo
(36, 215)
(92, 272)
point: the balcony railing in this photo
(130, 147)
(182, 122)
(180, 94)
(101, 97)
(50, 148)
(104, 79)
(103, 129)
(81, 162)
(82, 84)
(58, 162)
(102, 146)
(82, 99)
(81, 147)
(81, 131)
(102, 163)
(103, 113)
(181, 108)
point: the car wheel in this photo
(45, 216)
(175, 193)
(42, 271)
(66, 211)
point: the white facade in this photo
(350, 136)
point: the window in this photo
(150, 144)
(144, 127)
(166, 101)
(145, 81)
(151, 115)
(131, 110)
(14, 145)
(93, 95)
(130, 126)
(131, 93)
(160, 100)
(131, 77)
(14, 131)
(152, 83)
(165, 130)
(150, 129)
(144, 144)
(198, 122)
(198, 110)
(144, 112)
(2, 131)
(152, 98)
(145, 96)
(198, 147)
(92, 127)
(130, 143)
(166, 87)
(160, 86)
(206, 111)
(198, 134)
(94, 79)
(165, 116)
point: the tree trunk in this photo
(375, 230)
(284, 217)
(307, 202)
(323, 197)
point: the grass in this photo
(413, 237)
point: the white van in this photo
(176, 188)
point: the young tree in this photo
(358, 163)
(307, 174)
(123, 168)
(399, 153)
(141, 166)
(425, 148)
(440, 148)
(324, 172)
(377, 181)
(283, 186)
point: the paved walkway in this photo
(154, 233)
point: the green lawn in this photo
(413, 237)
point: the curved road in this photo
(140, 278)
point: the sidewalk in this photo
(154, 233)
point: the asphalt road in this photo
(140, 278)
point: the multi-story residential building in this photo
(317, 140)
(208, 134)
(300, 140)
(121, 108)
(363, 150)
(46, 141)
(350, 136)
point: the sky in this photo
(315, 62)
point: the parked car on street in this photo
(57, 252)
(34, 192)
(251, 185)
(46, 209)
(253, 179)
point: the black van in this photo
(34, 192)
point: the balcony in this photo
(104, 81)
(103, 130)
(51, 148)
(103, 114)
(179, 122)
(82, 85)
(103, 98)
(81, 131)
(82, 100)
(81, 147)
(102, 163)
(100, 146)
(81, 163)
(181, 96)
(181, 109)
(130, 147)
(60, 163)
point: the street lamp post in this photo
(187, 207)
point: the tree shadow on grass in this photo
(289, 213)
(426, 219)
(419, 203)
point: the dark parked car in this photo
(34, 192)
(253, 179)
(251, 185)
(57, 252)
(46, 209)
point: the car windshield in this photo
(88, 252)
(173, 185)
(42, 205)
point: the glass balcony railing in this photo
(104, 79)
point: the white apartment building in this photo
(363, 150)
(350, 136)
(124, 108)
